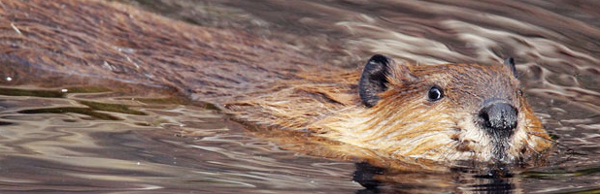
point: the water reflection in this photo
(381, 180)
(170, 148)
(55, 141)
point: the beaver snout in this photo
(499, 119)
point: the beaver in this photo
(441, 112)
(446, 112)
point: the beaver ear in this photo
(510, 62)
(373, 79)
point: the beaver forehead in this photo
(471, 84)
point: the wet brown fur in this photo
(263, 82)
(406, 124)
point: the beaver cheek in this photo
(478, 142)
(520, 141)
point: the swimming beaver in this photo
(440, 112)
(446, 112)
(443, 112)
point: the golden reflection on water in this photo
(169, 148)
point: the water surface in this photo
(105, 141)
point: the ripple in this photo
(171, 146)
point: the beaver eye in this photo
(520, 92)
(435, 93)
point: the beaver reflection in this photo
(374, 179)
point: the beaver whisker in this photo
(384, 127)
(400, 135)
(532, 149)
(421, 134)
(540, 136)
(533, 127)
(444, 152)
(442, 149)
(454, 146)
(563, 146)
(537, 132)
(427, 130)
(426, 121)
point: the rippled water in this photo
(163, 148)
(115, 142)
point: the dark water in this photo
(62, 142)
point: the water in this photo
(165, 147)
(57, 142)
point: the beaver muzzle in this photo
(498, 119)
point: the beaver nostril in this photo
(499, 119)
(486, 119)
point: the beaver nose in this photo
(499, 118)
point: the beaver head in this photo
(441, 112)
